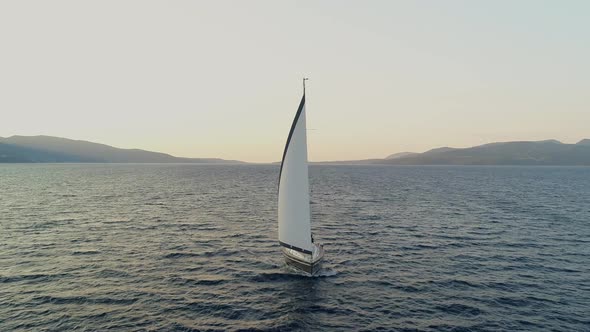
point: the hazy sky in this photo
(223, 78)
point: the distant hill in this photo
(438, 150)
(400, 154)
(23, 149)
(348, 162)
(17, 154)
(39, 149)
(549, 152)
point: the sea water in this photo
(124, 247)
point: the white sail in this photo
(294, 212)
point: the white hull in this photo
(305, 262)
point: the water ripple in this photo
(194, 248)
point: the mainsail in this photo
(294, 212)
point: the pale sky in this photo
(223, 78)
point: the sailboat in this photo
(298, 246)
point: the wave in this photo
(33, 277)
(85, 252)
(81, 300)
(460, 310)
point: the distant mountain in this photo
(400, 154)
(443, 149)
(348, 162)
(17, 154)
(25, 149)
(549, 152)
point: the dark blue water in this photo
(194, 247)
